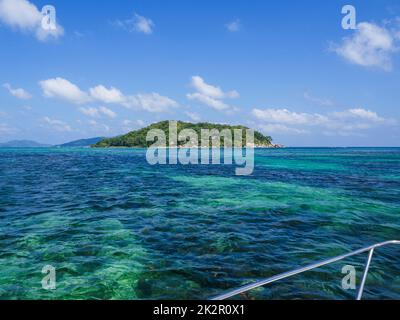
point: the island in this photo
(137, 138)
(81, 143)
(23, 144)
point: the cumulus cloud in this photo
(91, 112)
(105, 95)
(24, 16)
(107, 112)
(44, 34)
(98, 112)
(289, 117)
(360, 114)
(212, 91)
(210, 95)
(371, 45)
(233, 26)
(137, 23)
(209, 101)
(57, 125)
(63, 89)
(343, 122)
(281, 128)
(151, 102)
(18, 93)
(19, 14)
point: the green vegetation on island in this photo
(137, 139)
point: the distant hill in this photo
(23, 144)
(81, 143)
(137, 139)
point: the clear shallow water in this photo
(117, 228)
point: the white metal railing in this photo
(285, 275)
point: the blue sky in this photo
(286, 68)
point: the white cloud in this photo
(193, 116)
(343, 122)
(44, 34)
(107, 112)
(91, 112)
(151, 102)
(360, 114)
(25, 16)
(143, 24)
(319, 101)
(19, 14)
(137, 23)
(105, 95)
(210, 95)
(370, 46)
(97, 112)
(209, 101)
(343, 134)
(233, 26)
(63, 89)
(281, 128)
(18, 93)
(288, 117)
(57, 125)
(211, 91)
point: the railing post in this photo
(364, 278)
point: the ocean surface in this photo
(115, 227)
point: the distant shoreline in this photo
(284, 147)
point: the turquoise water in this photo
(116, 228)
